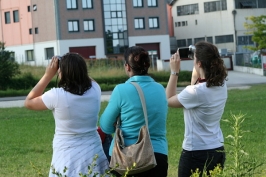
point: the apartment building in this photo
(220, 22)
(36, 30)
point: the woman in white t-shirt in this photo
(203, 103)
(75, 105)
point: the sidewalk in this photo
(236, 80)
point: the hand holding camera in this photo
(187, 52)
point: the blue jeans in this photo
(106, 145)
(208, 159)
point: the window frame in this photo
(214, 6)
(15, 16)
(31, 56)
(189, 9)
(93, 25)
(7, 17)
(138, 22)
(157, 20)
(137, 3)
(36, 30)
(151, 2)
(72, 22)
(34, 7)
(70, 6)
(86, 5)
(47, 55)
(223, 39)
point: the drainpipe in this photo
(234, 14)
(1, 21)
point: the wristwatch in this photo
(174, 73)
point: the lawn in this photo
(26, 136)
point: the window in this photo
(73, 25)
(248, 4)
(71, 4)
(244, 40)
(30, 31)
(15, 16)
(215, 6)
(12, 55)
(34, 7)
(7, 17)
(209, 39)
(116, 14)
(224, 39)
(181, 43)
(115, 25)
(139, 23)
(199, 39)
(152, 3)
(137, 3)
(88, 25)
(36, 30)
(187, 9)
(153, 22)
(184, 23)
(49, 53)
(87, 4)
(28, 8)
(29, 55)
(189, 42)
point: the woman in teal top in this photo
(125, 102)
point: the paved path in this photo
(236, 80)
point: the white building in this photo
(220, 22)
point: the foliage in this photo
(90, 170)
(242, 164)
(257, 28)
(8, 67)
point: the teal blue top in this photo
(125, 101)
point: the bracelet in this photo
(174, 73)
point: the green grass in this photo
(26, 136)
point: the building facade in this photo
(220, 22)
(36, 30)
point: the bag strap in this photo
(143, 102)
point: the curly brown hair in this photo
(211, 63)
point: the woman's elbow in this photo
(27, 104)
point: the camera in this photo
(187, 52)
(59, 58)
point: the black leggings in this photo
(160, 170)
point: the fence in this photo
(248, 60)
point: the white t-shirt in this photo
(74, 114)
(203, 109)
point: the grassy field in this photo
(26, 136)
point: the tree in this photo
(257, 28)
(8, 67)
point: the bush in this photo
(8, 67)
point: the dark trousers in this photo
(202, 159)
(160, 170)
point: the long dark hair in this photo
(74, 74)
(138, 59)
(211, 63)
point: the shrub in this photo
(8, 67)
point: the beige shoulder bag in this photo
(141, 153)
